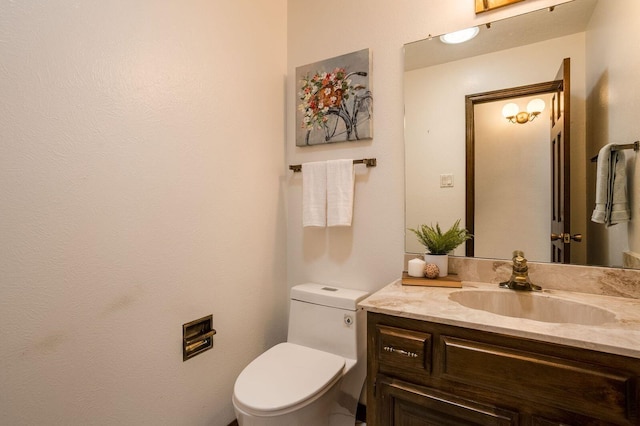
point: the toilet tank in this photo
(327, 318)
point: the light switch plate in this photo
(446, 181)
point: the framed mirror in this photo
(598, 37)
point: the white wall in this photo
(369, 254)
(141, 166)
(613, 89)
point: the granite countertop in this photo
(619, 336)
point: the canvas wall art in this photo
(334, 100)
(486, 5)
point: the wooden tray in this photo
(448, 281)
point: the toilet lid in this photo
(284, 376)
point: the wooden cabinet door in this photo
(404, 404)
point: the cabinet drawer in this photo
(585, 388)
(401, 350)
(408, 404)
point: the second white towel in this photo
(314, 194)
(340, 186)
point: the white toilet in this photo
(315, 378)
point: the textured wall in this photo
(141, 160)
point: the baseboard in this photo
(361, 415)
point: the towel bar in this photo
(369, 162)
(635, 146)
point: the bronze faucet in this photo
(520, 275)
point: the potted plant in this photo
(439, 244)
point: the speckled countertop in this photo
(619, 335)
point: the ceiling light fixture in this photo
(460, 36)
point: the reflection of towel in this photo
(314, 194)
(340, 181)
(612, 205)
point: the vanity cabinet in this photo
(423, 373)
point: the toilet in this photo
(316, 376)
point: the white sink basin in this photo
(533, 306)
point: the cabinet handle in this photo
(400, 352)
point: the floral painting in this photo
(334, 100)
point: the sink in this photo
(533, 306)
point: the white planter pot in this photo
(440, 260)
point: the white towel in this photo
(314, 194)
(612, 205)
(620, 211)
(602, 184)
(340, 183)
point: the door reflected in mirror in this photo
(519, 206)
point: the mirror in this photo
(519, 51)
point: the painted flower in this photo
(320, 93)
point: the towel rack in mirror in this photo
(635, 146)
(369, 162)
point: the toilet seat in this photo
(284, 377)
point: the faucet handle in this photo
(520, 274)
(520, 265)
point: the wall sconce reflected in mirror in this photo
(512, 112)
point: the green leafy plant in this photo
(438, 242)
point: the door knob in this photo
(566, 238)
